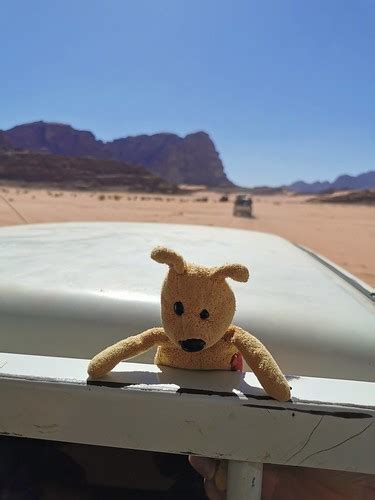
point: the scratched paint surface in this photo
(215, 414)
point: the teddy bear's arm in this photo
(106, 360)
(261, 362)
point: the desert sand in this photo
(344, 234)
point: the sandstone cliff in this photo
(42, 169)
(192, 159)
(4, 142)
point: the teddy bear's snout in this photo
(192, 345)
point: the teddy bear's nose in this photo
(192, 345)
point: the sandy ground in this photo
(344, 234)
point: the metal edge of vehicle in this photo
(359, 285)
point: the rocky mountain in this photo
(180, 160)
(304, 187)
(342, 183)
(42, 169)
(362, 181)
(4, 143)
(355, 197)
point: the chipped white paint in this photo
(217, 414)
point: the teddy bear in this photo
(197, 309)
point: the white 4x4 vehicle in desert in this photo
(243, 206)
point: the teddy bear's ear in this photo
(172, 259)
(236, 272)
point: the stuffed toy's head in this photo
(197, 304)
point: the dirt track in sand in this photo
(344, 234)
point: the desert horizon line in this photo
(299, 180)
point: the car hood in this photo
(70, 289)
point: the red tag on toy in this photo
(236, 363)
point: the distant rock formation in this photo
(358, 197)
(4, 143)
(43, 169)
(342, 183)
(362, 181)
(314, 187)
(180, 160)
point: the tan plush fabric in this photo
(106, 360)
(261, 362)
(217, 357)
(197, 308)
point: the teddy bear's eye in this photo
(178, 308)
(204, 314)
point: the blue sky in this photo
(286, 89)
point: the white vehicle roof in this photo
(70, 289)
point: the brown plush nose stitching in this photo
(192, 345)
